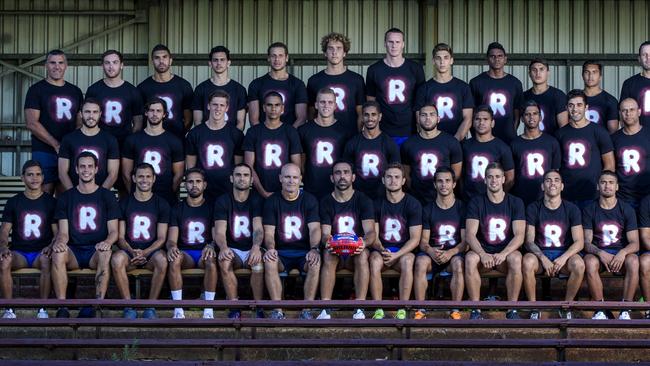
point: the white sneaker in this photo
(624, 315)
(208, 314)
(324, 315)
(8, 314)
(179, 313)
(359, 315)
(599, 315)
(42, 314)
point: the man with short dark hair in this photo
(638, 86)
(551, 100)
(601, 106)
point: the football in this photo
(344, 244)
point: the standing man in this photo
(501, 91)
(158, 147)
(173, 89)
(291, 89)
(451, 96)
(602, 106)
(551, 100)
(392, 82)
(219, 62)
(638, 86)
(90, 138)
(29, 217)
(51, 112)
(347, 85)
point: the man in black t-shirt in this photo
(173, 89)
(494, 230)
(90, 138)
(398, 224)
(238, 233)
(88, 227)
(219, 62)
(29, 217)
(638, 86)
(292, 237)
(348, 86)
(291, 89)
(142, 234)
(554, 239)
(611, 242)
(392, 82)
(644, 259)
(51, 111)
(189, 241)
(551, 100)
(158, 147)
(602, 107)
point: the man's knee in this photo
(576, 264)
(530, 263)
(632, 262)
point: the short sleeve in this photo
(473, 208)
(518, 209)
(241, 97)
(249, 139)
(188, 95)
(588, 217)
(371, 86)
(604, 141)
(9, 213)
(220, 208)
(238, 140)
(177, 149)
(191, 143)
(197, 99)
(300, 92)
(367, 210)
(630, 217)
(455, 151)
(506, 159)
(426, 216)
(113, 147)
(295, 147)
(253, 90)
(257, 204)
(65, 150)
(268, 216)
(129, 152)
(612, 109)
(392, 150)
(174, 217)
(61, 212)
(531, 214)
(32, 98)
(325, 211)
(112, 207)
(164, 213)
(556, 154)
(468, 98)
(644, 212)
(311, 209)
(414, 209)
(575, 219)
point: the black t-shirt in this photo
(215, 152)
(609, 227)
(644, 212)
(581, 159)
(239, 218)
(292, 89)
(424, 157)
(59, 106)
(31, 221)
(395, 220)
(370, 159)
(394, 88)
(638, 87)
(551, 102)
(323, 146)
(346, 217)
(504, 96)
(142, 219)
(444, 225)
(450, 99)
(177, 93)
(103, 145)
(88, 215)
(632, 163)
(476, 157)
(194, 224)
(601, 108)
(532, 159)
(119, 105)
(495, 220)
(161, 152)
(234, 89)
(291, 219)
(273, 149)
(553, 227)
(350, 92)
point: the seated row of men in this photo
(290, 229)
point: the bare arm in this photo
(5, 229)
(295, 158)
(178, 169)
(113, 170)
(471, 229)
(172, 238)
(137, 123)
(457, 168)
(517, 114)
(161, 230)
(269, 237)
(519, 232)
(612, 125)
(644, 233)
(121, 237)
(187, 119)
(530, 244)
(112, 232)
(127, 168)
(562, 119)
(241, 119)
(301, 114)
(249, 158)
(220, 227)
(190, 161)
(314, 234)
(415, 233)
(359, 110)
(463, 129)
(632, 242)
(258, 232)
(254, 112)
(370, 235)
(197, 117)
(64, 168)
(510, 180)
(608, 161)
(577, 233)
(35, 126)
(589, 246)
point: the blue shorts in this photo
(194, 253)
(148, 257)
(50, 165)
(83, 255)
(293, 259)
(399, 140)
(553, 254)
(29, 256)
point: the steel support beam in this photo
(20, 70)
(67, 12)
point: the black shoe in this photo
(62, 313)
(86, 312)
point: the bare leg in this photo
(472, 276)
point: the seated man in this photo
(29, 217)
(644, 259)
(398, 218)
(443, 243)
(494, 229)
(238, 232)
(554, 239)
(88, 228)
(189, 241)
(291, 237)
(611, 242)
(142, 234)
(346, 211)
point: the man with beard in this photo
(215, 146)
(90, 138)
(173, 89)
(611, 243)
(371, 151)
(601, 106)
(88, 227)
(638, 86)
(142, 234)
(238, 232)
(423, 153)
(291, 89)
(551, 100)
(189, 241)
(534, 153)
(219, 62)
(346, 211)
(51, 112)
(158, 147)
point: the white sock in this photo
(177, 295)
(209, 295)
(208, 311)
